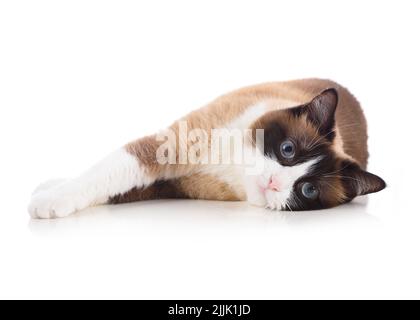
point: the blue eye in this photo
(287, 149)
(309, 191)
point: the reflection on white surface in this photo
(150, 216)
(203, 249)
(181, 249)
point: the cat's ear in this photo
(361, 182)
(321, 110)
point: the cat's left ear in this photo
(321, 111)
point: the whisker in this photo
(333, 187)
(312, 146)
(337, 171)
(317, 130)
(346, 177)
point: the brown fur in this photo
(182, 188)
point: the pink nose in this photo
(274, 184)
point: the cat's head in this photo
(303, 169)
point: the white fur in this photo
(288, 175)
(233, 174)
(117, 173)
(251, 114)
(48, 185)
(250, 186)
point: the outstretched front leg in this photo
(132, 166)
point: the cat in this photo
(307, 137)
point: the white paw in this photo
(55, 202)
(48, 185)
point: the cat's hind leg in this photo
(118, 173)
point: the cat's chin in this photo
(253, 192)
(257, 202)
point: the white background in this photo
(81, 78)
